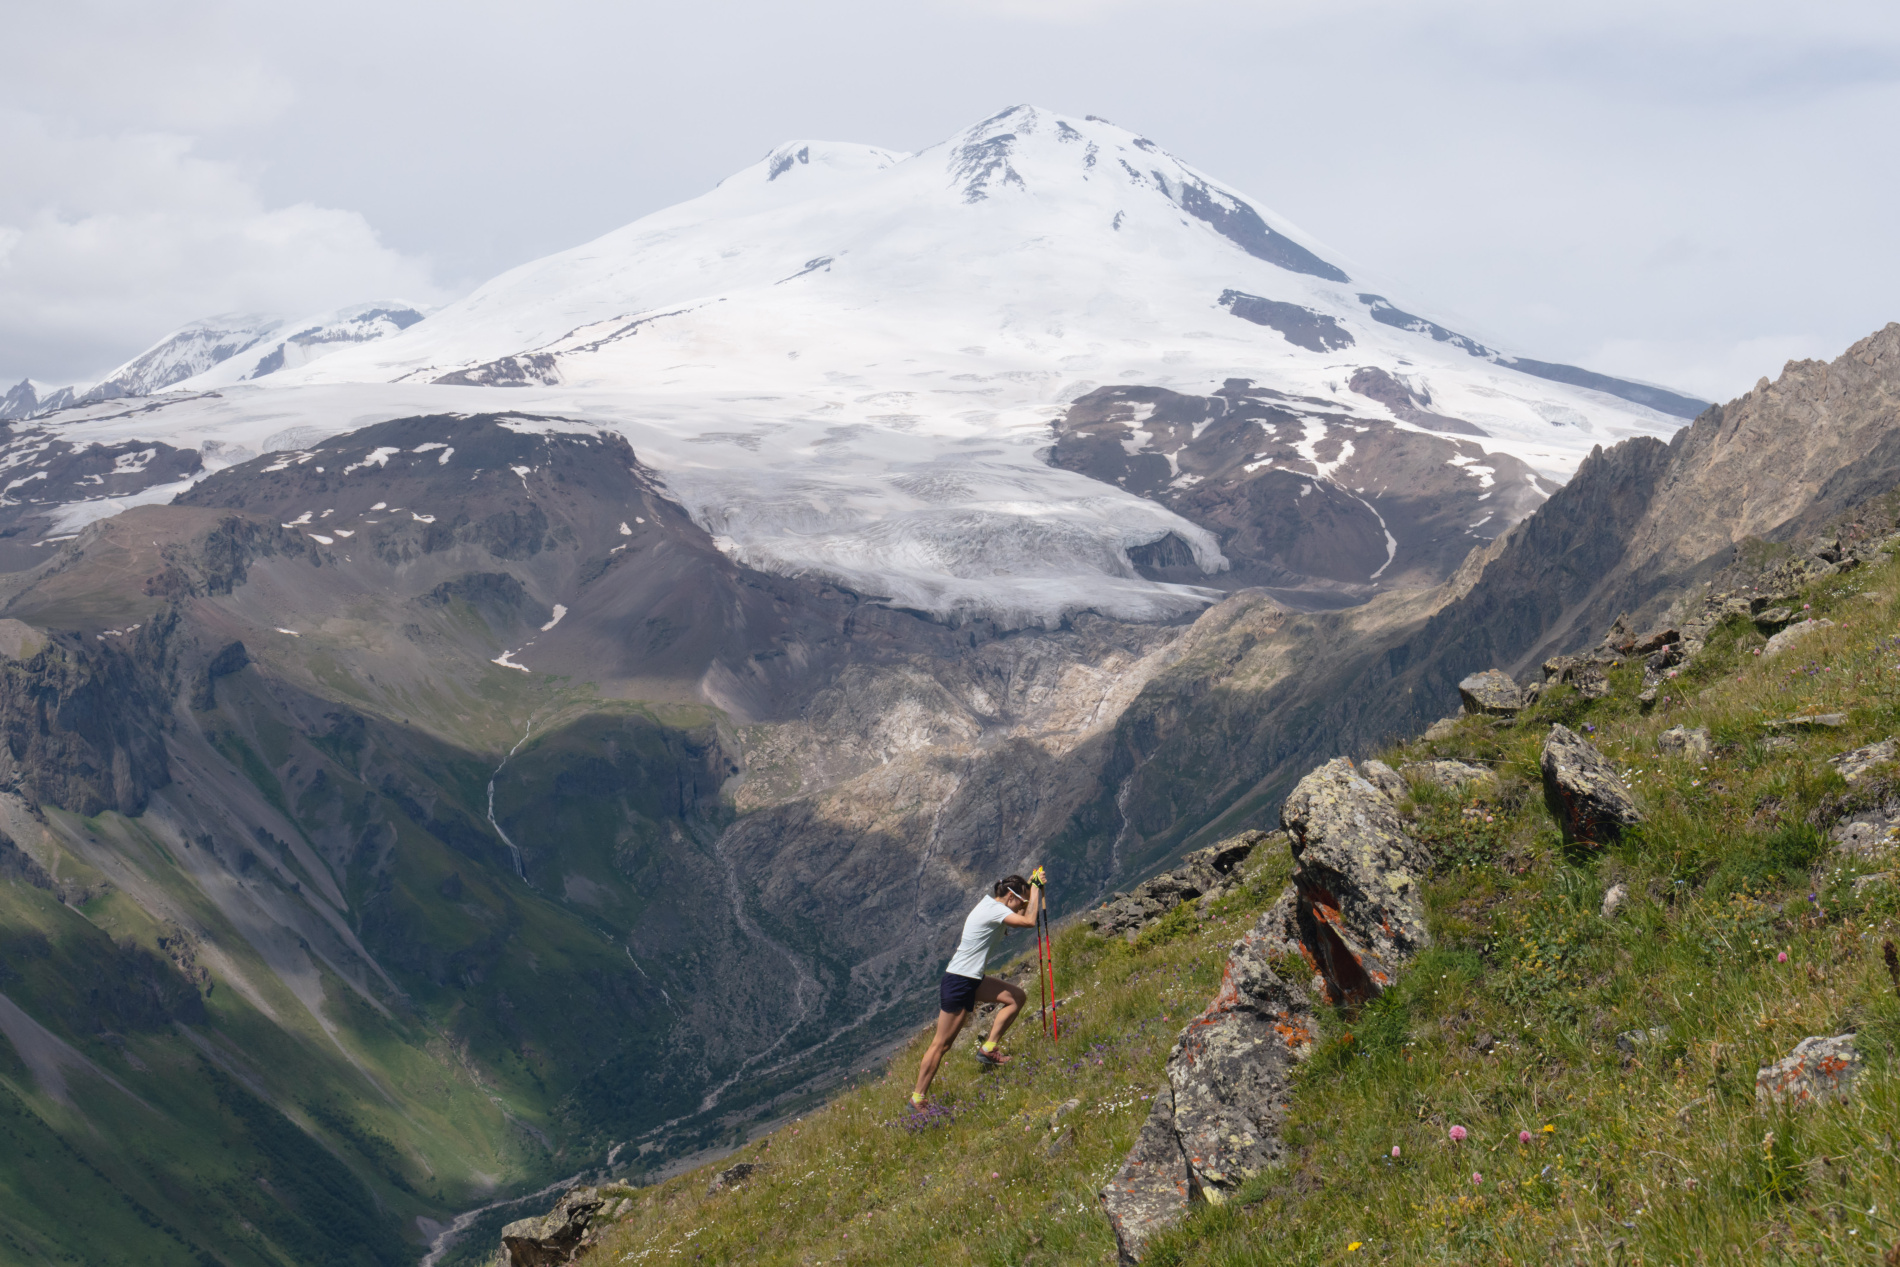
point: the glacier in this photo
(845, 361)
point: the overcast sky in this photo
(1689, 193)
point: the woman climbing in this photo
(1014, 901)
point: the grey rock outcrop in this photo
(1353, 913)
(1150, 1191)
(562, 1235)
(1207, 872)
(1793, 634)
(1818, 1071)
(1682, 741)
(1386, 779)
(1492, 692)
(1453, 776)
(1854, 765)
(1584, 790)
(1360, 878)
(1216, 1119)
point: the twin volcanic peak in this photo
(867, 366)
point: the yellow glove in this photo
(1037, 878)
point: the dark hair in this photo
(1011, 884)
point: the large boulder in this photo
(1584, 790)
(1493, 692)
(1230, 1071)
(557, 1237)
(1359, 876)
(1217, 1119)
(1791, 635)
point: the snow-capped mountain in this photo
(866, 365)
(291, 345)
(218, 351)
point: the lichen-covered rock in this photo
(1793, 634)
(1453, 776)
(1150, 1191)
(1591, 681)
(1359, 875)
(560, 1236)
(1493, 692)
(1217, 1119)
(1583, 789)
(1682, 741)
(1819, 1070)
(1230, 1071)
(1870, 835)
(1443, 728)
(1852, 765)
(1385, 778)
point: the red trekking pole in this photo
(1046, 960)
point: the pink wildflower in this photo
(1523, 1137)
(1477, 1179)
(995, 1175)
(1782, 957)
(1457, 1134)
(1395, 1150)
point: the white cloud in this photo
(107, 241)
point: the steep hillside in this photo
(1569, 1073)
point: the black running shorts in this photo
(958, 992)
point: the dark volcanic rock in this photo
(1302, 327)
(1232, 462)
(1360, 878)
(1407, 405)
(1583, 789)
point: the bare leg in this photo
(1010, 999)
(948, 1025)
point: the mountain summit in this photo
(929, 377)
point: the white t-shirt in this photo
(979, 930)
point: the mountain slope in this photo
(846, 362)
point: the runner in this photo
(1015, 902)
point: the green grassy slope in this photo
(1508, 1025)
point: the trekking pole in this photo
(1055, 1020)
(1042, 993)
